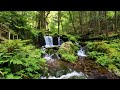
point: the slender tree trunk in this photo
(115, 21)
(39, 21)
(106, 23)
(80, 20)
(99, 22)
(72, 21)
(59, 22)
(62, 27)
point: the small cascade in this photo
(68, 76)
(48, 57)
(81, 52)
(60, 41)
(48, 41)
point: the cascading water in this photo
(67, 76)
(48, 44)
(48, 41)
(81, 52)
(60, 41)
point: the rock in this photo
(77, 77)
(64, 38)
(60, 73)
(41, 40)
(55, 39)
(67, 47)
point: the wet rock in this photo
(60, 73)
(77, 77)
(67, 47)
(55, 40)
(100, 77)
(64, 38)
(41, 40)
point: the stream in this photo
(83, 68)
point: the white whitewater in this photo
(81, 52)
(48, 41)
(59, 43)
(74, 73)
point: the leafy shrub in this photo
(69, 57)
(107, 55)
(20, 59)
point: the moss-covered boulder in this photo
(67, 51)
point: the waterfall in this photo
(48, 41)
(59, 41)
(81, 52)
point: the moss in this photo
(114, 69)
(67, 51)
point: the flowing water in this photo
(82, 69)
(68, 76)
(81, 52)
(48, 41)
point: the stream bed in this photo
(83, 68)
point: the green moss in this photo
(67, 51)
(69, 57)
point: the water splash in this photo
(48, 41)
(81, 52)
(67, 76)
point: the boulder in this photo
(41, 40)
(67, 52)
(55, 39)
(64, 38)
(67, 47)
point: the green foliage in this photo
(20, 58)
(69, 57)
(106, 54)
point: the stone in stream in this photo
(55, 39)
(41, 40)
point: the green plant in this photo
(69, 57)
(21, 58)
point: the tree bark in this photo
(115, 21)
(59, 12)
(72, 21)
(106, 23)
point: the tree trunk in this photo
(39, 20)
(72, 21)
(99, 22)
(115, 21)
(106, 23)
(80, 20)
(59, 22)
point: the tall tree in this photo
(81, 20)
(106, 23)
(71, 18)
(115, 14)
(58, 22)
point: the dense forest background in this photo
(78, 26)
